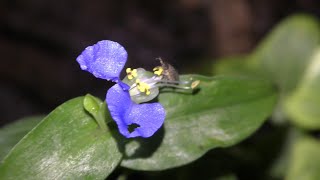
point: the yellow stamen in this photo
(143, 87)
(148, 92)
(131, 73)
(158, 70)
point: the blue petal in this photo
(104, 60)
(149, 116)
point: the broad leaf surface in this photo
(67, 144)
(223, 112)
(12, 133)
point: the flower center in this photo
(144, 85)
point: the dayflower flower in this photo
(126, 99)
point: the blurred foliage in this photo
(289, 57)
(283, 57)
(303, 104)
(305, 159)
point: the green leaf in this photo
(303, 105)
(11, 134)
(67, 144)
(284, 54)
(223, 112)
(305, 160)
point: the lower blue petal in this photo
(149, 117)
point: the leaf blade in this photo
(214, 122)
(67, 144)
(11, 134)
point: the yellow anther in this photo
(143, 87)
(148, 92)
(158, 70)
(194, 84)
(128, 70)
(131, 73)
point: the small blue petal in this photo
(104, 60)
(149, 116)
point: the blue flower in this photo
(148, 117)
(105, 60)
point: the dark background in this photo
(40, 40)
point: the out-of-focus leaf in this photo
(281, 57)
(303, 105)
(281, 160)
(223, 112)
(305, 160)
(11, 134)
(284, 54)
(67, 144)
